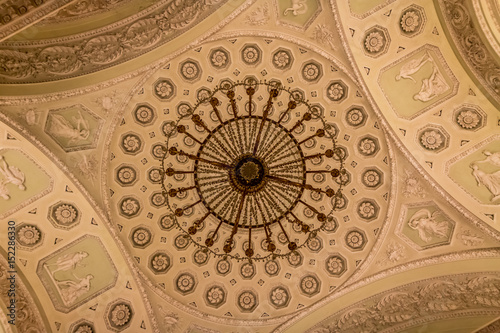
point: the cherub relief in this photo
(12, 175)
(493, 158)
(298, 7)
(61, 127)
(427, 226)
(71, 290)
(432, 86)
(490, 180)
(69, 261)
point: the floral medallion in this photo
(355, 239)
(247, 301)
(141, 237)
(335, 265)
(412, 20)
(336, 91)
(164, 89)
(120, 315)
(159, 262)
(190, 70)
(356, 116)
(144, 115)
(215, 296)
(129, 207)
(126, 175)
(28, 235)
(282, 59)
(185, 283)
(219, 58)
(310, 285)
(131, 144)
(372, 178)
(64, 215)
(367, 210)
(251, 54)
(376, 41)
(312, 71)
(279, 297)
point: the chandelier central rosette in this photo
(250, 170)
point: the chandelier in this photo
(252, 171)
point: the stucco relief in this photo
(77, 273)
(424, 225)
(22, 181)
(74, 127)
(63, 58)
(84, 8)
(297, 13)
(477, 171)
(418, 82)
(459, 19)
(28, 319)
(17, 14)
(412, 302)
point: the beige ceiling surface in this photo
(92, 93)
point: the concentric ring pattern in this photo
(174, 111)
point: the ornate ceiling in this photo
(130, 158)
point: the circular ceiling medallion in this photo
(247, 168)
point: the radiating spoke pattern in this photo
(249, 169)
(220, 189)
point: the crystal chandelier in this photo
(250, 171)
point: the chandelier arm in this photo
(180, 211)
(198, 121)
(170, 172)
(173, 192)
(201, 159)
(319, 133)
(182, 129)
(194, 228)
(250, 92)
(320, 216)
(291, 105)
(230, 94)
(272, 93)
(238, 214)
(307, 116)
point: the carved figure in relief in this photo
(322, 34)
(410, 68)
(433, 86)
(393, 253)
(470, 239)
(259, 16)
(493, 158)
(490, 180)
(170, 320)
(86, 166)
(71, 290)
(61, 127)
(427, 226)
(69, 261)
(298, 7)
(12, 175)
(412, 186)
(31, 117)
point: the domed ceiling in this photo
(250, 166)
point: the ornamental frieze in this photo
(73, 56)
